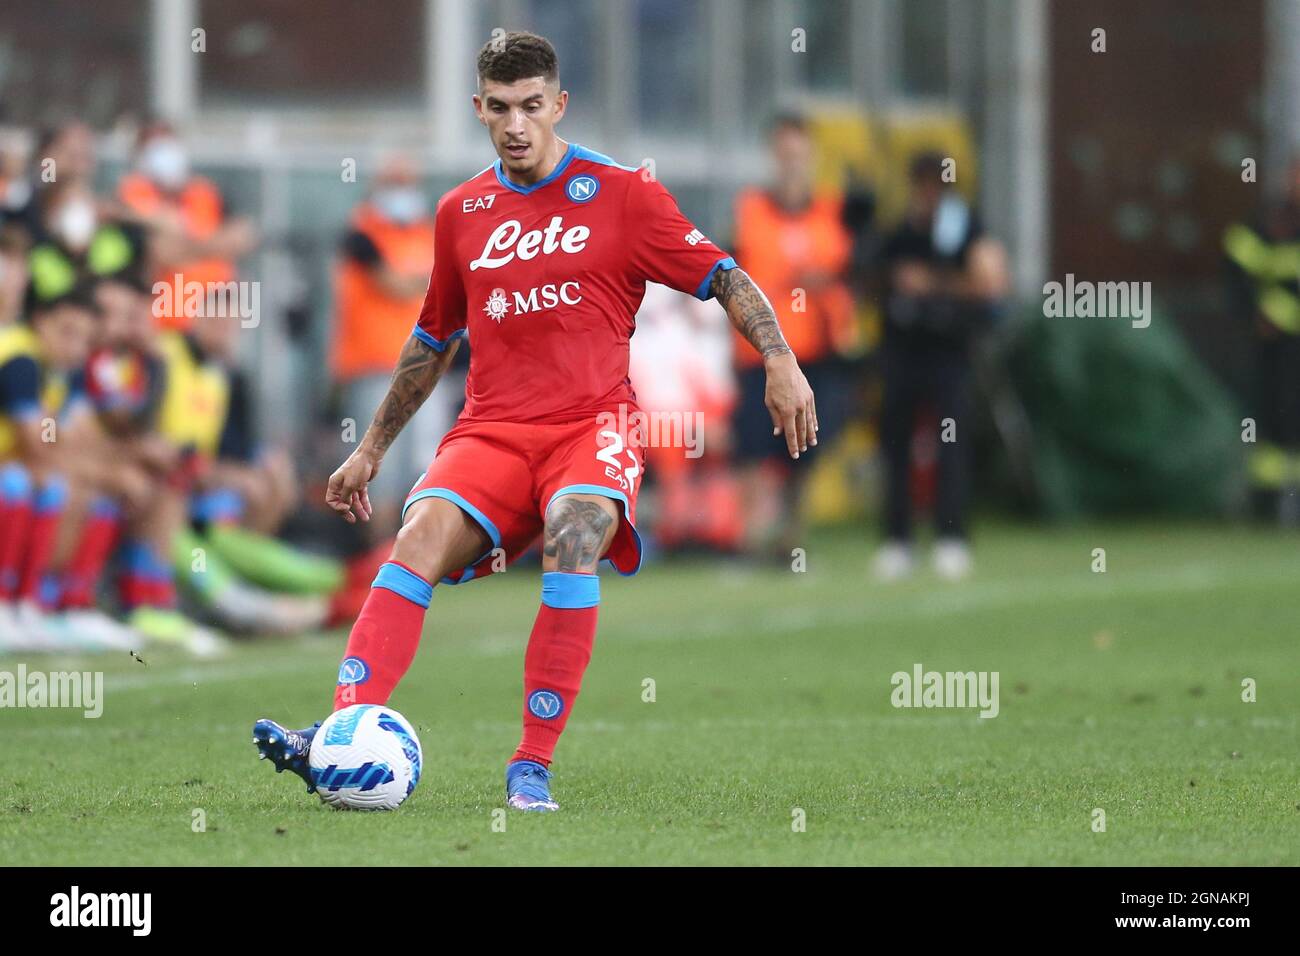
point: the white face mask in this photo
(16, 194)
(400, 204)
(164, 161)
(74, 222)
(950, 223)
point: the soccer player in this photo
(541, 260)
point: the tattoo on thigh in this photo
(574, 533)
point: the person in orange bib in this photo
(380, 283)
(792, 240)
(193, 239)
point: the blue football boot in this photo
(528, 787)
(288, 749)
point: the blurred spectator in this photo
(39, 361)
(191, 234)
(381, 279)
(71, 235)
(15, 194)
(793, 242)
(1264, 285)
(943, 276)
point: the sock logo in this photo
(353, 670)
(546, 704)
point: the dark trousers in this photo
(937, 378)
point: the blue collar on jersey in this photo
(563, 164)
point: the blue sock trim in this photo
(105, 508)
(140, 559)
(221, 504)
(563, 589)
(50, 589)
(51, 496)
(15, 484)
(408, 584)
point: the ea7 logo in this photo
(477, 203)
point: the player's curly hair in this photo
(516, 56)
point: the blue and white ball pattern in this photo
(365, 757)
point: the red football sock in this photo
(558, 652)
(47, 509)
(97, 540)
(384, 639)
(146, 579)
(15, 524)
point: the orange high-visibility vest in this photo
(776, 247)
(200, 207)
(372, 326)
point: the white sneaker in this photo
(38, 631)
(11, 639)
(893, 561)
(98, 629)
(951, 559)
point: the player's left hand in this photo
(789, 400)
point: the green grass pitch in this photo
(1120, 691)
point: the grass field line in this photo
(873, 606)
(899, 724)
(958, 599)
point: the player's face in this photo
(118, 305)
(521, 118)
(792, 155)
(65, 334)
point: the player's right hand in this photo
(348, 492)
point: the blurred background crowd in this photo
(217, 231)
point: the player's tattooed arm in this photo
(419, 368)
(749, 310)
(789, 399)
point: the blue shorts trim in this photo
(479, 517)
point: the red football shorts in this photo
(504, 475)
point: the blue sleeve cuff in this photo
(433, 343)
(702, 292)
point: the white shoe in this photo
(101, 631)
(38, 631)
(893, 561)
(11, 638)
(951, 559)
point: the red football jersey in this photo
(546, 281)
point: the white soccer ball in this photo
(365, 757)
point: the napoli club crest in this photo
(546, 704)
(582, 188)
